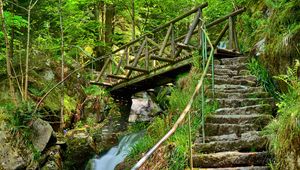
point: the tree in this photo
(8, 54)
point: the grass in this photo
(263, 77)
(284, 131)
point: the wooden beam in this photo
(117, 76)
(165, 40)
(221, 35)
(158, 46)
(136, 69)
(105, 84)
(161, 59)
(186, 46)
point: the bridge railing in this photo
(152, 50)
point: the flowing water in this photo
(115, 155)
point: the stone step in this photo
(246, 90)
(246, 110)
(215, 129)
(235, 81)
(230, 159)
(236, 88)
(238, 66)
(223, 71)
(236, 77)
(234, 61)
(229, 137)
(237, 168)
(241, 102)
(249, 141)
(221, 94)
(239, 119)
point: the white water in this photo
(115, 155)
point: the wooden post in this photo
(221, 35)
(231, 37)
(165, 41)
(200, 31)
(136, 59)
(173, 42)
(103, 69)
(147, 56)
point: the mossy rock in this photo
(80, 147)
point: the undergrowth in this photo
(180, 95)
(263, 77)
(285, 129)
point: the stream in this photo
(116, 155)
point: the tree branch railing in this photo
(150, 54)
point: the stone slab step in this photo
(234, 61)
(246, 90)
(230, 159)
(236, 77)
(239, 119)
(237, 88)
(229, 137)
(249, 141)
(220, 94)
(215, 129)
(237, 67)
(223, 71)
(237, 168)
(233, 103)
(234, 81)
(246, 110)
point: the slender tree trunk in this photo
(30, 6)
(133, 19)
(8, 56)
(62, 65)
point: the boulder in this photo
(143, 109)
(42, 132)
(80, 147)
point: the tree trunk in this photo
(99, 50)
(62, 66)
(27, 55)
(8, 56)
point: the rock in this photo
(143, 109)
(42, 132)
(10, 157)
(231, 159)
(54, 161)
(80, 147)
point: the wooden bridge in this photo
(158, 57)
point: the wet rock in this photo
(42, 132)
(143, 109)
(80, 147)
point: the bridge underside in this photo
(155, 78)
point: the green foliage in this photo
(263, 76)
(284, 131)
(180, 95)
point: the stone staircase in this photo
(233, 140)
